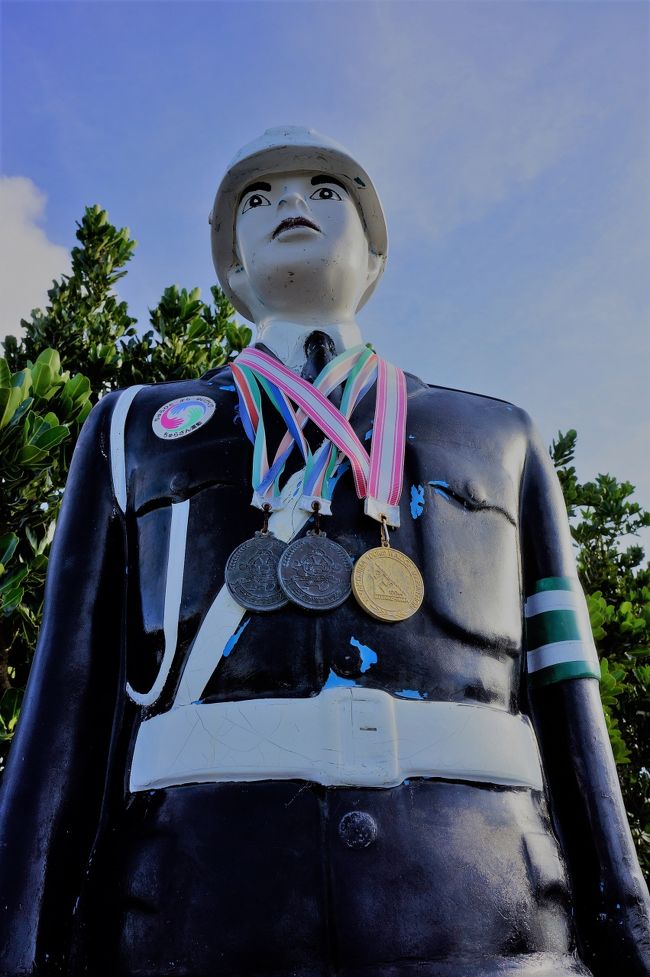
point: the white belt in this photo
(341, 737)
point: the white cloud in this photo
(28, 260)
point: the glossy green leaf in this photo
(10, 705)
(8, 544)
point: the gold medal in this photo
(387, 583)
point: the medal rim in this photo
(315, 607)
(366, 603)
(278, 603)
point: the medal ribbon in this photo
(377, 477)
(357, 366)
(360, 365)
(250, 410)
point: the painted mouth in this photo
(290, 222)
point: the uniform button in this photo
(348, 664)
(358, 829)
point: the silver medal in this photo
(252, 573)
(315, 572)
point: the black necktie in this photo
(319, 350)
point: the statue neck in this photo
(287, 339)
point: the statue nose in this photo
(293, 199)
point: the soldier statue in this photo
(315, 693)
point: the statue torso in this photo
(272, 878)
(459, 523)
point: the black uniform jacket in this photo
(266, 878)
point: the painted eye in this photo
(325, 193)
(256, 200)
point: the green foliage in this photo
(42, 409)
(617, 584)
(85, 331)
(188, 337)
(84, 321)
(94, 334)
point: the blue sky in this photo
(510, 144)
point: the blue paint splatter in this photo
(368, 435)
(417, 501)
(232, 641)
(368, 656)
(227, 386)
(335, 681)
(412, 694)
(439, 487)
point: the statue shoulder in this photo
(150, 432)
(468, 411)
(183, 405)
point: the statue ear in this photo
(239, 283)
(375, 266)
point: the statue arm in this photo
(55, 783)
(611, 898)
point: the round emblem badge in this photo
(179, 417)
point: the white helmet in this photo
(289, 149)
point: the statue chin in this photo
(302, 295)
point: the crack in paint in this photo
(473, 505)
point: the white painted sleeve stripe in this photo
(560, 652)
(118, 455)
(173, 594)
(554, 600)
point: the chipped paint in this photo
(417, 501)
(232, 641)
(368, 656)
(411, 694)
(335, 681)
(411, 437)
(439, 487)
(368, 434)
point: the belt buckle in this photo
(369, 739)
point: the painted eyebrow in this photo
(255, 186)
(316, 180)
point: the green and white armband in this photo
(559, 641)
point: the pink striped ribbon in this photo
(378, 477)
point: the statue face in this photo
(302, 248)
